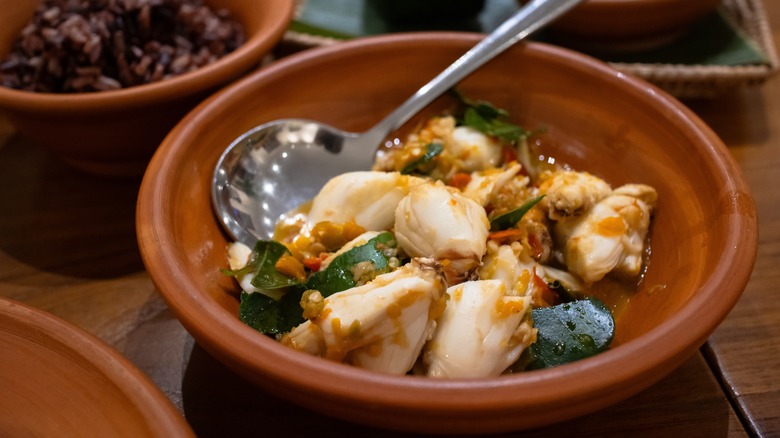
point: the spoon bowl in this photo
(271, 169)
(277, 166)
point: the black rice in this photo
(74, 46)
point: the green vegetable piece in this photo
(274, 317)
(340, 274)
(481, 120)
(268, 315)
(509, 219)
(264, 258)
(569, 332)
(262, 262)
(490, 120)
(431, 150)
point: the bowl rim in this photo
(210, 75)
(678, 335)
(161, 416)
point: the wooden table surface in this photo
(67, 246)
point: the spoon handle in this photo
(531, 17)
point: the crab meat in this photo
(474, 150)
(610, 236)
(569, 193)
(484, 185)
(367, 198)
(380, 326)
(511, 265)
(438, 222)
(482, 331)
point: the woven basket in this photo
(697, 81)
(683, 81)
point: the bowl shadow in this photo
(59, 220)
(217, 402)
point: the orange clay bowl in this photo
(59, 380)
(629, 25)
(116, 132)
(704, 234)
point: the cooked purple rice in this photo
(74, 46)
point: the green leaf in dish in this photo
(369, 259)
(431, 150)
(490, 120)
(569, 332)
(270, 316)
(510, 218)
(262, 263)
(280, 316)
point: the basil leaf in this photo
(340, 273)
(569, 332)
(509, 219)
(431, 150)
(270, 316)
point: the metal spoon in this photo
(279, 165)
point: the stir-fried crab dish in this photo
(456, 256)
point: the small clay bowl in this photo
(59, 380)
(629, 25)
(116, 132)
(704, 233)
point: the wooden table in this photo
(67, 246)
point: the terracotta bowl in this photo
(629, 25)
(116, 132)
(59, 380)
(597, 119)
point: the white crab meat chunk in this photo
(569, 193)
(610, 236)
(485, 184)
(474, 150)
(368, 198)
(511, 265)
(438, 222)
(238, 257)
(482, 331)
(380, 326)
